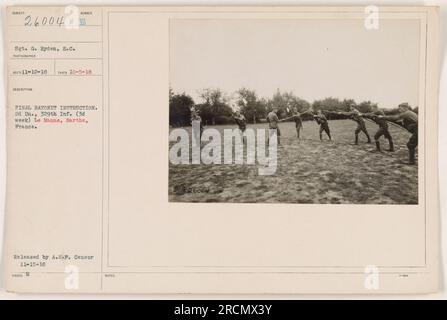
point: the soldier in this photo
(383, 128)
(321, 119)
(410, 122)
(356, 116)
(195, 117)
(298, 120)
(273, 121)
(240, 121)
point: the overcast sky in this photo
(313, 58)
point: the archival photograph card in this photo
(222, 150)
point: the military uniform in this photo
(273, 121)
(361, 127)
(298, 123)
(410, 122)
(296, 117)
(324, 125)
(199, 119)
(241, 122)
(383, 128)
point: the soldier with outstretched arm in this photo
(356, 116)
(383, 128)
(321, 119)
(296, 116)
(410, 122)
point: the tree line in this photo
(217, 107)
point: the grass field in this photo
(309, 171)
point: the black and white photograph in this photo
(222, 151)
(341, 98)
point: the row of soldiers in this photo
(405, 117)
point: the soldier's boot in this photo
(369, 139)
(378, 146)
(356, 139)
(321, 136)
(412, 156)
(391, 149)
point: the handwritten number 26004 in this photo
(37, 21)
